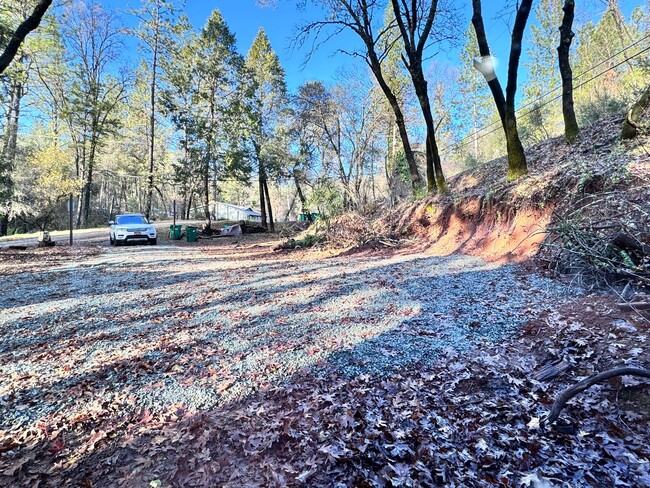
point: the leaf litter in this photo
(228, 366)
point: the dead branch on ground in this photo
(587, 383)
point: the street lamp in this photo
(485, 64)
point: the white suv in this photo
(131, 227)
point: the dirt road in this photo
(83, 237)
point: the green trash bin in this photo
(175, 232)
(191, 233)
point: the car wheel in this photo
(111, 240)
(153, 241)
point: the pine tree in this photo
(543, 75)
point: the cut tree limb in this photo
(636, 116)
(553, 370)
(626, 241)
(634, 306)
(587, 383)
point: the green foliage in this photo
(266, 105)
(601, 107)
(327, 198)
(544, 119)
(600, 44)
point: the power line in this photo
(460, 146)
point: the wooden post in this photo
(70, 212)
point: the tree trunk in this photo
(517, 165)
(268, 204)
(566, 36)
(415, 30)
(152, 126)
(435, 175)
(87, 193)
(632, 122)
(206, 194)
(8, 154)
(262, 199)
(416, 179)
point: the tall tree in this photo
(269, 100)
(378, 41)
(94, 40)
(203, 80)
(416, 34)
(154, 31)
(14, 86)
(15, 83)
(24, 28)
(506, 104)
(566, 36)
(181, 103)
(218, 67)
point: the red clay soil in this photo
(492, 238)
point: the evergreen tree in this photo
(266, 107)
(543, 75)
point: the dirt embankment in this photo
(496, 219)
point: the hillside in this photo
(566, 212)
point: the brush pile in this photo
(603, 240)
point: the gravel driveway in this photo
(198, 326)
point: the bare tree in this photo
(94, 40)
(359, 17)
(566, 36)
(506, 104)
(154, 31)
(416, 21)
(25, 27)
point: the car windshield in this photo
(131, 219)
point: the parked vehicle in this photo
(131, 227)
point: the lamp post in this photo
(485, 65)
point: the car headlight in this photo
(120, 229)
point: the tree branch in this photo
(28, 25)
(587, 383)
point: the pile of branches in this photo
(603, 240)
(351, 230)
(354, 229)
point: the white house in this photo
(227, 211)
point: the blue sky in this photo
(245, 17)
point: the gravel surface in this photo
(198, 326)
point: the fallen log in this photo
(552, 370)
(634, 306)
(625, 241)
(585, 384)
